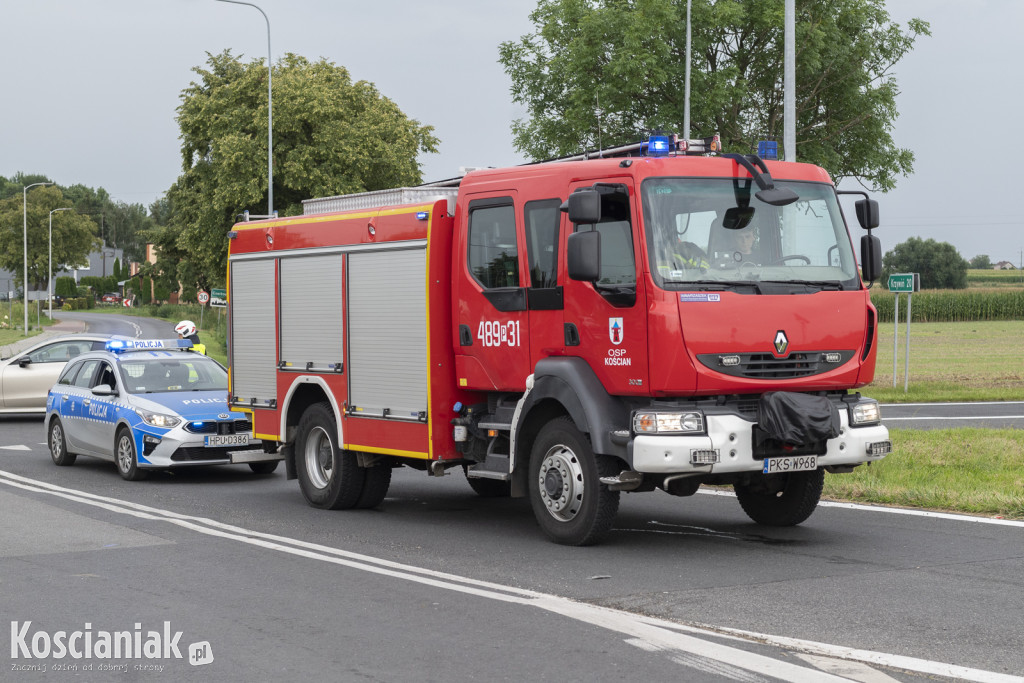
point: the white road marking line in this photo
(19, 447)
(658, 633)
(964, 403)
(855, 671)
(957, 417)
(894, 511)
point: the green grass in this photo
(973, 361)
(974, 471)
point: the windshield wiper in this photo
(717, 285)
(831, 285)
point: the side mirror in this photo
(870, 257)
(24, 360)
(867, 213)
(583, 253)
(584, 206)
(103, 390)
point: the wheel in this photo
(265, 467)
(330, 478)
(488, 488)
(375, 486)
(570, 503)
(127, 463)
(59, 445)
(781, 499)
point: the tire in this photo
(782, 499)
(488, 488)
(329, 477)
(375, 485)
(124, 456)
(265, 467)
(570, 503)
(58, 444)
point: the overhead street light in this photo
(24, 227)
(49, 272)
(270, 111)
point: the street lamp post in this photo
(49, 272)
(270, 111)
(24, 227)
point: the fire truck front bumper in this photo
(728, 445)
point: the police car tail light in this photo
(669, 423)
(158, 419)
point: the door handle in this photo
(86, 402)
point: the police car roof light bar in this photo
(122, 345)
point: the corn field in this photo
(953, 305)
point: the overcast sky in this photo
(91, 88)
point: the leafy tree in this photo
(939, 263)
(628, 60)
(981, 262)
(331, 136)
(74, 235)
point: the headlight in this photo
(157, 419)
(865, 413)
(669, 423)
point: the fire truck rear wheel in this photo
(786, 501)
(330, 477)
(569, 501)
(375, 486)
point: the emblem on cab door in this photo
(781, 343)
(615, 330)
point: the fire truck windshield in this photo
(712, 233)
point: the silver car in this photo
(26, 377)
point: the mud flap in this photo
(795, 419)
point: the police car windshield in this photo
(189, 372)
(702, 231)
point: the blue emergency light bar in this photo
(122, 345)
(768, 149)
(658, 146)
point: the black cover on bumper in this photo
(796, 419)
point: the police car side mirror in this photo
(104, 390)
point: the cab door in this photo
(606, 320)
(490, 296)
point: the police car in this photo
(149, 404)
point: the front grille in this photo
(199, 453)
(767, 366)
(213, 427)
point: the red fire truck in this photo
(650, 317)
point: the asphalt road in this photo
(438, 584)
(981, 414)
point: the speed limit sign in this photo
(203, 297)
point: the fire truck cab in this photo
(643, 318)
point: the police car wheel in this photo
(329, 477)
(124, 455)
(569, 501)
(59, 445)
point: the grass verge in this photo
(974, 471)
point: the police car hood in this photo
(190, 405)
